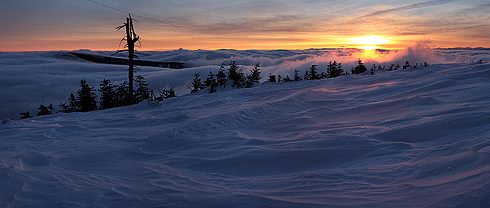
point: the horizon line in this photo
(325, 48)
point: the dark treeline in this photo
(111, 96)
(335, 69)
(233, 76)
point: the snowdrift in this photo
(408, 138)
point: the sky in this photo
(33, 25)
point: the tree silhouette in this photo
(407, 65)
(70, 106)
(360, 68)
(45, 110)
(334, 69)
(25, 114)
(107, 94)
(131, 38)
(165, 94)
(221, 77)
(312, 73)
(86, 97)
(142, 91)
(122, 94)
(235, 74)
(196, 84)
(211, 82)
(287, 79)
(254, 76)
(296, 75)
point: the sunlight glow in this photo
(368, 47)
(368, 42)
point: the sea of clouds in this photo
(31, 78)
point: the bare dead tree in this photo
(131, 38)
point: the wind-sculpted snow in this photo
(408, 138)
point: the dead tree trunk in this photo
(131, 38)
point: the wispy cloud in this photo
(180, 23)
(409, 7)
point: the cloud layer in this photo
(30, 78)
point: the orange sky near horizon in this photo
(245, 24)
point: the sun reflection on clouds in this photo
(286, 24)
(368, 42)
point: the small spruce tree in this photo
(296, 75)
(287, 79)
(221, 77)
(45, 110)
(167, 93)
(211, 82)
(360, 68)
(70, 105)
(254, 76)
(122, 94)
(107, 94)
(86, 97)
(334, 69)
(196, 84)
(314, 72)
(407, 65)
(25, 114)
(235, 75)
(142, 91)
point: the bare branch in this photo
(118, 52)
(120, 27)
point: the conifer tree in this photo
(360, 68)
(86, 97)
(45, 110)
(211, 82)
(221, 77)
(235, 75)
(334, 69)
(166, 94)
(70, 105)
(122, 94)
(196, 84)
(307, 75)
(25, 114)
(313, 73)
(296, 75)
(142, 91)
(407, 65)
(72, 101)
(254, 76)
(108, 94)
(287, 79)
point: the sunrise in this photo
(169, 25)
(245, 103)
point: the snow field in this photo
(407, 138)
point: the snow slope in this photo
(408, 138)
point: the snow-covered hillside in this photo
(408, 138)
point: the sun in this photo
(368, 42)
